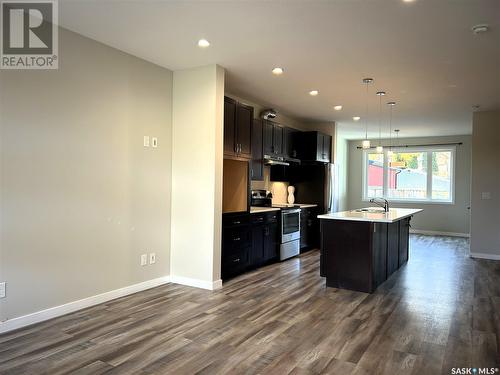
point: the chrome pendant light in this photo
(380, 149)
(366, 142)
(391, 107)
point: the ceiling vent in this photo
(479, 29)
(268, 114)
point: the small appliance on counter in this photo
(260, 198)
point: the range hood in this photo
(275, 160)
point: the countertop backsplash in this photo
(278, 189)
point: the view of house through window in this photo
(409, 174)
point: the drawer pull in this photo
(236, 222)
(236, 260)
(237, 239)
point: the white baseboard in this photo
(197, 283)
(437, 233)
(485, 256)
(70, 307)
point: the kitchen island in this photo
(360, 249)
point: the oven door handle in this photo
(289, 212)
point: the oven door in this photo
(290, 225)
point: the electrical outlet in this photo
(146, 141)
(2, 290)
(144, 259)
(154, 142)
(152, 258)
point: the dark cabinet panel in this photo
(257, 255)
(392, 248)
(277, 139)
(229, 126)
(238, 120)
(271, 242)
(273, 138)
(236, 244)
(309, 228)
(404, 240)
(289, 149)
(244, 119)
(313, 146)
(267, 138)
(379, 253)
(257, 148)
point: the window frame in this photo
(429, 150)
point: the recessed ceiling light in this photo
(277, 71)
(408, 1)
(313, 92)
(203, 43)
(356, 118)
(337, 107)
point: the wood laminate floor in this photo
(438, 312)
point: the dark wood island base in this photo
(361, 255)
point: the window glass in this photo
(407, 175)
(441, 175)
(375, 175)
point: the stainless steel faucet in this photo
(381, 202)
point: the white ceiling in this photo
(422, 53)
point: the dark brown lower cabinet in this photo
(359, 255)
(379, 257)
(236, 244)
(309, 228)
(392, 248)
(404, 240)
(248, 241)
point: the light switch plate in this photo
(144, 259)
(146, 141)
(152, 258)
(154, 142)
(485, 195)
(2, 290)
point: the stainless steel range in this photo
(290, 223)
(290, 232)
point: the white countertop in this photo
(254, 210)
(392, 216)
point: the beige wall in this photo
(485, 215)
(451, 218)
(197, 157)
(81, 197)
(341, 152)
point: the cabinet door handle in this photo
(236, 222)
(236, 260)
(239, 148)
(237, 238)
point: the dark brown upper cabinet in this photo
(314, 146)
(257, 151)
(289, 149)
(267, 138)
(273, 138)
(238, 120)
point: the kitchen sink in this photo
(370, 210)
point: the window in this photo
(413, 175)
